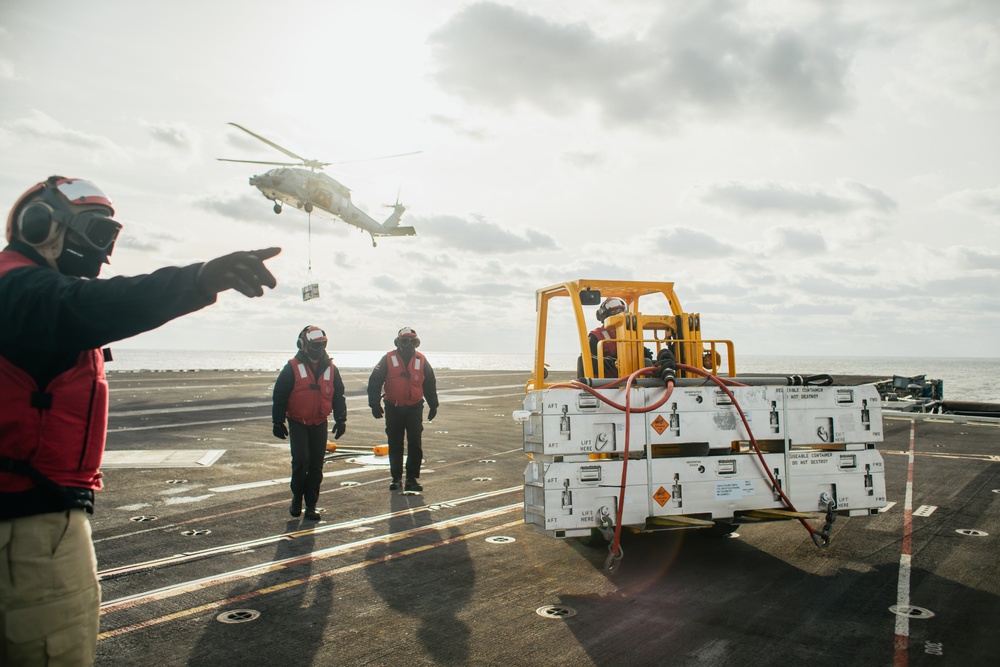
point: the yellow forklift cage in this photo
(634, 330)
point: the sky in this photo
(815, 177)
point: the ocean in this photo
(966, 379)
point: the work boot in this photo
(413, 485)
(295, 509)
(312, 514)
(395, 485)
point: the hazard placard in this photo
(659, 424)
(661, 496)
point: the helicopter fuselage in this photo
(316, 192)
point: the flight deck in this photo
(201, 564)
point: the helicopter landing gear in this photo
(374, 245)
(277, 207)
(308, 207)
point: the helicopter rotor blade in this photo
(383, 157)
(278, 164)
(272, 144)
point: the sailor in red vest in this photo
(605, 336)
(307, 390)
(408, 381)
(54, 400)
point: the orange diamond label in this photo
(660, 424)
(661, 496)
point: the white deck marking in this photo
(161, 458)
(270, 566)
(901, 641)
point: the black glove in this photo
(243, 271)
(280, 430)
(377, 412)
(431, 414)
(339, 429)
(668, 365)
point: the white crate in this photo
(683, 459)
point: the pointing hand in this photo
(243, 271)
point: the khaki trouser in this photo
(49, 596)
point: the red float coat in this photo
(60, 432)
(311, 400)
(402, 390)
(606, 334)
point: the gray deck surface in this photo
(391, 579)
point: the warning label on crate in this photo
(659, 425)
(733, 489)
(661, 496)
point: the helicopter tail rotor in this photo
(391, 225)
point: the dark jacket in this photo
(47, 318)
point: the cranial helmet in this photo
(611, 306)
(34, 215)
(311, 338)
(407, 336)
(46, 211)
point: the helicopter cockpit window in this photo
(323, 198)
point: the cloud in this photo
(42, 127)
(951, 53)
(135, 243)
(976, 259)
(984, 203)
(689, 243)
(480, 236)
(795, 199)
(387, 283)
(797, 241)
(841, 289)
(584, 159)
(959, 292)
(696, 59)
(175, 135)
(7, 71)
(460, 127)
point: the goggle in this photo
(95, 228)
(98, 231)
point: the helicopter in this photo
(304, 185)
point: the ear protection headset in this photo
(14, 217)
(36, 224)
